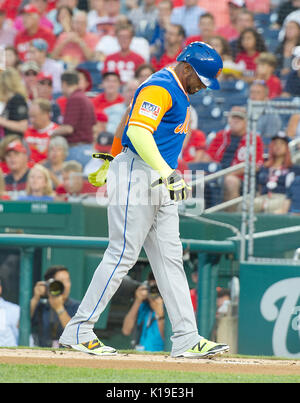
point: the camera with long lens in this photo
(54, 288)
(153, 291)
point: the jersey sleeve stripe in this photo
(134, 123)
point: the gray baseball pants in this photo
(138, 216)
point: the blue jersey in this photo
(162, 106)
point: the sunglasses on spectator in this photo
(31, 73)
(45, 82)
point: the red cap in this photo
(30, 9)
(16, 146)
(44, 76)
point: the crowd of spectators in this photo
(69, 69)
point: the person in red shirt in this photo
(266, 65)
(249, 46)
(174, 38)
(111, 95)
(229, 30)
(32, 30)
(37, 136)
(76, 46)
(207, 28)
(125, 62)
(229, 148)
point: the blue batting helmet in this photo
(206, 62)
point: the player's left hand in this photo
(98, 178)
(176, 186)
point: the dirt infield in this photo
(222, 364)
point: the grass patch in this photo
(54, 374)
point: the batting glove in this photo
(176, 186)
(98, 178)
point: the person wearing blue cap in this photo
(38, 52)
(143, 189)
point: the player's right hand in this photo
(98, 178)
(176, 186)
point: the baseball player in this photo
(143, 189)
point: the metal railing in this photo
(27, 244)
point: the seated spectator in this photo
(79, 117)
(64, 17)
(16, 158)
(125, 62)
(44, 91)
(266, 65)
(60, 20)
(230, 30)
(143, 16)
(7, 33)
(13, 94)
(143, 72)
(207, 29)
(222, 46)
(11, 58)
(268, 124)
(244, 20)
(229, 148)
(284, 51)
(174, 38)
(109, 44)
(9, 320)
(105, 24)
(158, 30)
(50, 314)
(38, 52)
(78, 45)
(249, 46)
(292, 85)
(188, 16)
(85, 84)
(39, 185)
(38, 135)
(74, 187)
(274, 177)
(95, 14)
(3, 194)
(146, 315)
(57, 153)
(111, 95)
(41, 6)
(3, 144)
(116, 111)
(292, 202)
(32, 30)
(30, 70)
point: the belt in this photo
(125, 149)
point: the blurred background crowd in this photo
(69, 69)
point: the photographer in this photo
(50, 307)
(147, 316)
